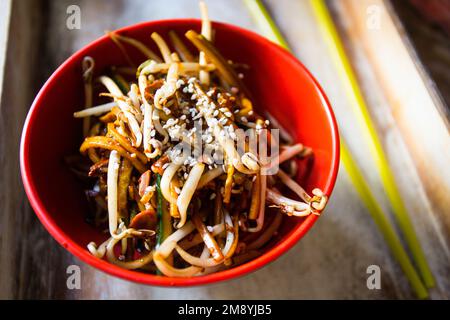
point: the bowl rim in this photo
(290, 240)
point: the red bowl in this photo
(278, 82)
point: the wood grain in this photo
(418, 125)
(431, 41)
(29, 257)
(329, 263)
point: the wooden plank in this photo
(5, 14)
(419, 122)
(29, 257)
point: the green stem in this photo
(164, 219)
(164, 227)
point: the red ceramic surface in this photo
(278, 82)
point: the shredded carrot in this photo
(125, 143)
(228, 184)
(122, 189)
(173, 205)
(256, 198)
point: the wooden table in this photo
(331, 261)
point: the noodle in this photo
(170, 271)
(113, 173)
(188, 191)
(162, 45)
(209, 176)
(124, 143)
(107, 143)
(166, 179)
(95, 111)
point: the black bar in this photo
(226, 309)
